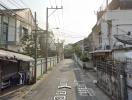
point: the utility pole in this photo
(35, 50)
(58, 44)
(47, 26)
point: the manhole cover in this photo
(59, 97)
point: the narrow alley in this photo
(67, 81)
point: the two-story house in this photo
(14, 24)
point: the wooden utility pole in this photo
(47, 26)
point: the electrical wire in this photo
(24, 3)
(12, 12)
(13, 4)
(115, 26)
(52, 13)
(17, 3)
(55, 3)
(50, 3)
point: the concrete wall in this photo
(41, 65)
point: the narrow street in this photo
(67, 82)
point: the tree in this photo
(28, 46)
(77, 50)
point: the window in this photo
(5, 32)
(25, 31)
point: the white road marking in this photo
(61, 92)
(63, 84)
(84, 91)
(59, 97)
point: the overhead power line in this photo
(14, 4)
(24, 3)
(52, 13)
(17, 3)
(10, 12)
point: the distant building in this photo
(51, 41)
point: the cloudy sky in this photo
(75, 21)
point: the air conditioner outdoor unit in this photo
(107, 47)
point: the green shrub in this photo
(84, 57)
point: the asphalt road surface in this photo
(67, 81)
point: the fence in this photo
(111, 78)
(41, 65)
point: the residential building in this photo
(14, 24)
(115, 19)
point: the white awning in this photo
(18, 56)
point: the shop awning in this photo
(9, 54)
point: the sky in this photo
(71, 24)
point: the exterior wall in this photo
(13, 47)
(95, 40)
(104, 33)
(119, 55)
(26, 14)
(121, 24)
(18, 31)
